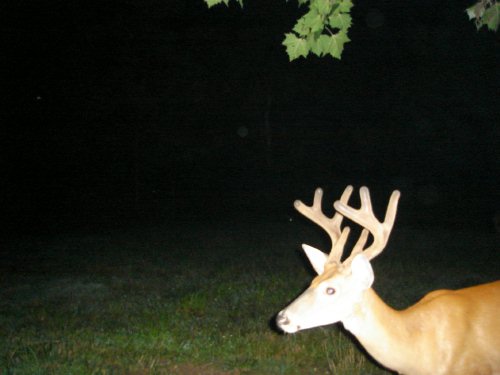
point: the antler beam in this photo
(365, 217)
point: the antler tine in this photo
(330, 225)
(365, 217)
(358, 248)
(338, 247)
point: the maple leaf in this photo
(295, 46)
(211, 3)
(345, 6)
(323, 45)
(314, 21)
(301, 28)
(336, 44)
(491, 17)
(323, 7)
(340, 21)
(475, 11)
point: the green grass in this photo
(199, 299)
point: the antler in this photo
(330, 225)
(365, 217)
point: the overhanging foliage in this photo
(323, 30)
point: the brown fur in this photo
(447, 332)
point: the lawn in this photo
(200, 298)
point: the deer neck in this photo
(381, 329)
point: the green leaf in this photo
(475, 11)
(340, 21)
(345, 6)
(211, 3)
(335, 45)
(323, 45)
(491, 17)
(315, 48)
(295, 46)
(314, 21)
(323, 7)
(485, 14)
(301, 28)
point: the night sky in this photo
(123, 112)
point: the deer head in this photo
(335, 293)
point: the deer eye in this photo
(330, 291)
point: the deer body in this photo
(447, 332)
(452, 332)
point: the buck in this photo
(447, 332)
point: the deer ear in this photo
(317, 258)
(362, 271)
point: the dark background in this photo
(137, 112)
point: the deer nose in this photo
(282, 319)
